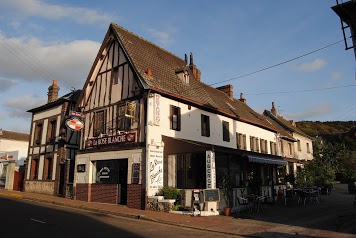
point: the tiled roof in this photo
(281, 121)
(74, 95)
(10, 135)
(163, 64)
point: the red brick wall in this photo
(135, 196)
(105, 193)
(82, 192)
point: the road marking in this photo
(43, 222)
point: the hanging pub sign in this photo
(109, 140)
(76, 114)
(130, 110)
(74, 124)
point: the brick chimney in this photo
(274, 110)
(53, 91)
(228, 89)
(193, 68)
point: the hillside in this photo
(317, 128)
(333, 131)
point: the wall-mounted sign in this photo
(135, 173)
(9, 156)
(81, 168)
(74, 124)
(156, 110)
(210, 170)
(108, 140)
(155, 157)
(76, 114)
(130, 110)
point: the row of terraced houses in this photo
(145, 119)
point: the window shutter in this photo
(178, 119)
(171, 116)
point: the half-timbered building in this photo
(151, 122)
(52, 147)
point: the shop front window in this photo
(191, 171)
(106, 171)
(281, 173)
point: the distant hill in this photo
(331, 131)
(314, 128)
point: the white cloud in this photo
(163, 38)
(336, 75)
(312, 66)
(18, 106)
(32, 59)
(313, 111)
(46, 10)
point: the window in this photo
(175, 118)
(254, 144)
(48, 168)
(290, 149)
(191, 171)
(263, 144)
(38, 133)
(299, 146)
(226, 132)
(282, 149)
(99, 123)
(257, 144)
(51, 131)
(34, 169)
(308, 149)
(119, 73)
(273, 146)
(123, 122)
(205, 125)
(241, 141)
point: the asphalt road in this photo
(31, 219)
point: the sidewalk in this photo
(273, 221)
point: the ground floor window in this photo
(191, 171)
(106, 171)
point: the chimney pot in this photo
(149, 72)
(242, 99)
(273, 110)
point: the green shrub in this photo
(170, 193)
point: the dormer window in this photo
(186, 77)
(183, 74)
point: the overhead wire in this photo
(302, 90)
(31, 61)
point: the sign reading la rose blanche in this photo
(155, 156)
(108, 140)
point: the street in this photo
(31, 219)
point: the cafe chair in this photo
(314, 194)
(288, 195)
(243, 202)
(303, 196)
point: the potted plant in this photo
(227, 185)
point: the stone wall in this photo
(46, 187)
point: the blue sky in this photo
(45, 40)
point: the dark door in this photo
(61, 180)
(122, 169)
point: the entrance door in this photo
(61, 180)
(122, 169)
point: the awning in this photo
(265, 160)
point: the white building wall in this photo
(191, 126)
(303, 154)
(15, 145)
(48, 113)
